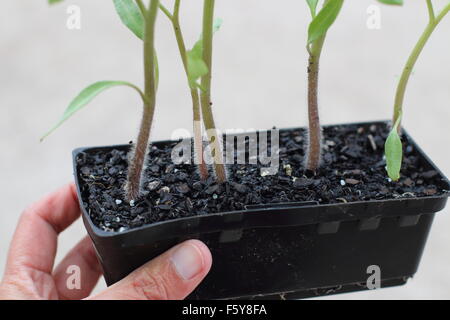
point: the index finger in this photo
(34, 244)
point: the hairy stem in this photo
(315, 132)
(208, 119)
(137, 160)
(197, 128)
(401, 88)
(198, 136)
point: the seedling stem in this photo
(134, 183)
(214, 139)
(401, 88)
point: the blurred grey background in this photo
(259, 81)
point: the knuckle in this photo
(150, 286)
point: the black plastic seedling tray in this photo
(284, 251)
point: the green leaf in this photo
(393, 150)
(196, 67)
(86, 96)
(312, 4)
(394, 2)
(131, 16)
(54, 1)
(324, 19)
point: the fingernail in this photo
(188, 261)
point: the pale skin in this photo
(30, 272)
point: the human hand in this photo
(30, 274)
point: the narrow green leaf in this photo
(393, 150)
(324, 19)
(131, 16)
(196, 67)
(86, 96)
(54, 1)
(394, 2)
(312, 4)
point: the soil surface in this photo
(353, 169)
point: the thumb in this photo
(171, 276)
